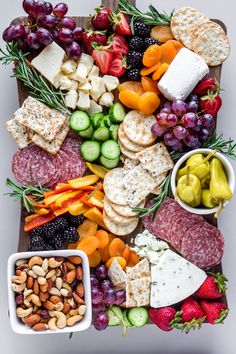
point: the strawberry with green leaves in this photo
(163, 317)
(91, 37)
(101, 19)
(216, 311)
(213, 287)
(120, 23)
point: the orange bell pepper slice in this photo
(83, 181)
(39, 220)
(52, 198)
(60, 187)
(66, 196)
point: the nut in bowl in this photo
(49, 292)
(203, 181)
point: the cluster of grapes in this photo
(103, 294)
(181, 127)
(46, 24)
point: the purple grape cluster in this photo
(46, 24)
(103, 294)
(180, 125)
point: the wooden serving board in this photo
(23, 93)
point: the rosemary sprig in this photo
(38, 86)
(28, 194)
(151, 17)
(165, 187)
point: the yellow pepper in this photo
(219, 187)
(207, 199)
(189, 189)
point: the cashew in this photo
(35, 260)
(66, 286)
(59, 283)
(53, 263)
(50, 274)
(19, 279)
(42, 280)
(59, 306)
(34, 299)
(38, 270)
(45, 264)
(20, 312)
(52, 324)
(64, 292)
(73, 320)
(18, 287)
(20, 262)
(61, 318)
(54, 291)
(71, 303)
(58, 272)
(27, 292)
(31, 274)
(82, 309)
(73, 312)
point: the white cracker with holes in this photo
(118, 229)
(128, 144)
(114, 188)
(114, 216)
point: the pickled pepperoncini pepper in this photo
(207, 199)
(189, 189)
(219, 187)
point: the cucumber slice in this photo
(109, 163)
(126, 321)
(110, 149)
(107, 121)
(97, 119)
(90, 150)
(138, 316)
(117, 113)
(113, 130)
(79, 121)
(101, 134)
(88, 133)
(115, 316)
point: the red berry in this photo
(118, 44)
(211, 103)
(118, 66)
(103, 59)
(215, 311)
(162, 317)
(213, 287)
(93, 36)
(101, 20)
(120, 24)
(191, 310)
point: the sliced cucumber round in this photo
(101, 134)
(107, 122)
(117, 113)
(88, 133)
(90, 150)
(138, 316)
(97, 119)
(109, 163)
(113, 130)
(110, 149)
(115, 316)
(79, 121)
(126, 321)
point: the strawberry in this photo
(163, 317)
(118, 44)
(103, 59)
(118, 66)
(120, 23)
(213, 287)
(215, 311)
(101, 19)
(93, 36)
(211, 103)
(191, 310)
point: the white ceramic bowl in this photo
(227, 167)
(17, 325)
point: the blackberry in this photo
(57, 241)
(75, 220)
(136, 44)
(38, 239)
(134, 59)
(134, 75)
(37, 243)
(39, 231)
(60, 223)
(140, 29)
(150, 41)
(50, 230)
(71, 235)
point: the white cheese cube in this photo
(49, 62)
(106, 99)
(72, 99)
(94, 108)
(80, 74)
(84, 101)
(69, 67)
(67, 84)
(86, 60)
(85, 86)
(183, 74)
(98, 88)
(111, 82)
(58, 78)
(94, 72)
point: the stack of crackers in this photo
(136, 281)
(198, 33)
(36, 123)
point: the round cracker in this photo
(190, 20)
(137, 127)
(200, 27)
(114, 216)
(126, 210)
(128, 144)
(118, 229)
(114, 188)
(177, 19)
(213, 46)
(130, 154)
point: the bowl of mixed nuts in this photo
(49, 292)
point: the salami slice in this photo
(42, 168)
(72, 148)
(21, 164)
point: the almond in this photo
(63, 271)
(44, 288)
(77, 299)
(32, 320)
(48, 305)
(70, 266)
(66, 309)
(79, 273)
(30, 282)
(43, 296)
(55, 299)
(75, 259)
(36, 287)
(80, 289)
(70, 277)
(40, 327)
(50, 284)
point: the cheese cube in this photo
(98, 88)
(67, 84)
(72, 99)
(85, 86)
(84, 101)
(94, 72)
(80, 74)
(86, 60)
(183, 74)
(111, 82)
(69, 67)
(94, 108)
(106, 99)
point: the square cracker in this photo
(18, 132)
(140, 289)
(130, 300)
(38, 117)
(117, 275)
(140, 270)
(156, 159)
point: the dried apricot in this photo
(152, 55)
(159, 72)
(104, 252)
(161, 33)
(149, 85)
(87, 228)
(129, 99)
(148, 103)
(131, 86)
(133, 259)
(88, 245)
(116, 247)
(126, 253)
(178, 45)
(148, 71)
(168, 52)
(103, 238)
(94, 259)
(120, 260)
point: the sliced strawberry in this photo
(103, 59)
(118, 66)
(120, 23)
(118, 44)
(90, 37)
(211, 103)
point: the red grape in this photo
(7, 34)
(207, 121)
(162, 119)
(101, 272)
(74, 51)
(40, 9)
(179, 146)
(49, 8)
(106, 285)
(99, 307)
(65, 35)
(190, 120)
(31, 20)
(120, 297)
(32, 41)
(14, 32)
(192, 107)
(101, 321)
(67, 22)
(179, 132)
(109, 296)
(94, 281)
(97, 296)
(203, 134)
(172, 120)
(179, 107)
(158, 130)
(44, 36)
(49, 21)
(167, 110)
(191, 139)
(167, 104)
(193, 97)
(170, 139)
(60, 10)
(28, 6)
(78, 33)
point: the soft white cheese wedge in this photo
(72, 99)
(86, 60)
(49, 62)
(183, 74)
(98, 88)
(80, 74)
(173, 280)
(84, 101)
(94, 108)
(111, 82)
(93, 73)
(69, 67)
(106, 99)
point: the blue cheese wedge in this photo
(173, 280)
(183, 74)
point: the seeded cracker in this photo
(141, 291)
(140, 270)
(113, 186)
(18, 132)
(117, 275)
